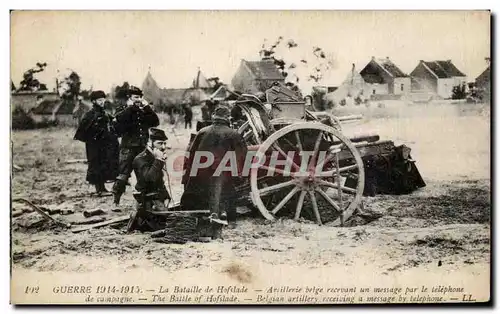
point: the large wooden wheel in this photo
(311, 171)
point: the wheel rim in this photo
(300, 186)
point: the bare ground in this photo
(445, 225)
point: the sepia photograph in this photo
(250, 157)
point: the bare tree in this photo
(316, 67)
(73, 84)
(29, 82)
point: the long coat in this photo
(206, 189)
(101, 145)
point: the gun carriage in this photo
(311, 170)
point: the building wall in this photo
(378, 89)
(445, 87)
(243, 80)
(402, 85)
(373, 68)
(422, 73)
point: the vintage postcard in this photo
(250, 157)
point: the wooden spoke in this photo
(328, 199)
(299, 143)
(339, 186)
(336, 186)
(285, 155)
(334, 172)
(289, 143)
(275, 187)
(316, 148)
(300, 202)
(247, 135)
(315, 207)
(327, 172)
(327, 159)
(285, 200)
(273, 169)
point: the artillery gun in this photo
(311, 170)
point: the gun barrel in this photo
(350, 118)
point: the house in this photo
(201, 89)
(483, 83)
(62, 111)
(353, 87)
(438, 77)
(256, 76)
(385, 78)
(224, 93)
(29, 100)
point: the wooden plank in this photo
(89, 221)
(17, 213)
(187, 212)
(101, 224)
(93, 212)
(41, 212)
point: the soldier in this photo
(151, 191)
(132, 123)
(208, 189)
(188, 116)
(101, 144)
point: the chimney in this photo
(373, 58)
(387, 58)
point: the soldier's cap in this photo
(97, 94)
(156, 134)
(134, 91)
(221, 112)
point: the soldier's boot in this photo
(101, 189)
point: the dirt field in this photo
(441, 229)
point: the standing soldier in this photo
(151, 191)
(132, 123)
(208, 189)
(101, 143)
(188, 116)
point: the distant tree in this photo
(12, 86)
(85, 93)
(459, 92)
(72, 84)
(29, 82)
(121, 91)
(318, 96)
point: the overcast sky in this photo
(109, 47)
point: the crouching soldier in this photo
(151, 191)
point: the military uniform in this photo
(101, 145)
(132, 123)
(206, 190)
(151, 191)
